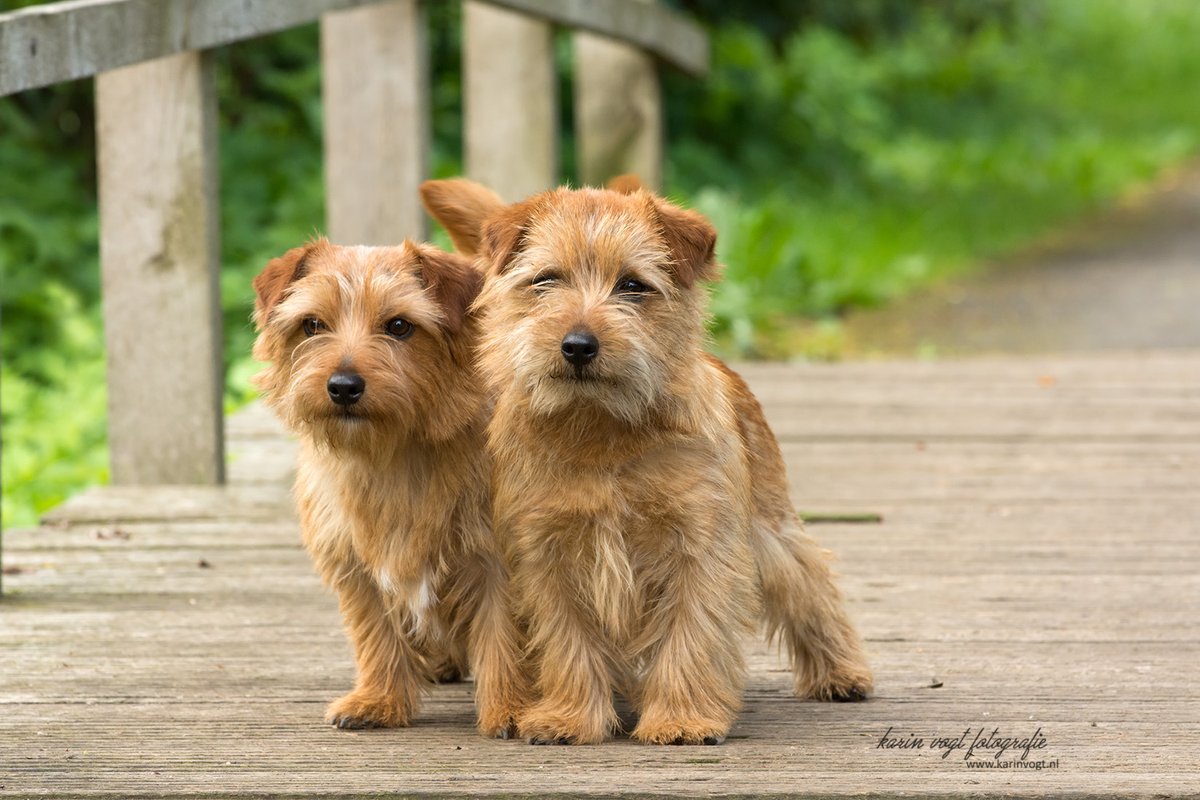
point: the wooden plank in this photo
(991, 472)
(261, 461)
(172, 503)
(156, 127)
(987, 603)
(375, 90)
(1145, 530)
(510, 102)
(255, 421)
(1175, 368)
(941, 421)
(618, 111)
(55, 42)
(667, 34)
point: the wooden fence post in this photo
(618, 111)
(510, 101)
(375, 87)
(156, 127)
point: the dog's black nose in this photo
(580, 348)
(346, 388)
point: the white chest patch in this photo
(420, 600)
(419, 597)
(386, 584)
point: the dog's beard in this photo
(627, 388)
(340, 429)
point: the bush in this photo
(862, 166)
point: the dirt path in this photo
(1127, 280)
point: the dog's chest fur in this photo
(617, 519)
(397, 522)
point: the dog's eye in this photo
(544, 280)
(312, 326)
(632, 286)
(400, 328)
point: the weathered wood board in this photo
(53, 42)
(1038, 562)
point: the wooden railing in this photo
(156, 120)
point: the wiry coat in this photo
(393, 490)
(641, 499)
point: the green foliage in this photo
(54, 413)
(272, 190)
(847, 151)
(860, 168)
(52, 392)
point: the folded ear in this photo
(452, 279)
(691, 239)
(460, 206)
(504, 235)
(271, 284)
(625, 184)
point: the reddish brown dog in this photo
(638, 492)
(370, 352)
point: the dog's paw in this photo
(541, 725)
(652, 730)
(363, 710)
(854, 694)
(497, 724)
(849, 685)
(540, 741)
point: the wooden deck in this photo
(1037, 569)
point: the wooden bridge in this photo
(1018, 538)
(1036, 570)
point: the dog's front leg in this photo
(572, 661)
(390, 672)
(691, 689)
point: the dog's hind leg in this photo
(803, 608)
(801, 602)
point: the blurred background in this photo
(850, 152)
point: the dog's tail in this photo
(461, 206)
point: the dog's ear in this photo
(690, 238)
(625, 184)
(280, 273)
(504, 235)
(461, 206)
(453, 280)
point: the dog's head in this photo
(592, 296)
(367, 344)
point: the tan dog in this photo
(370, 352)
(639, 493)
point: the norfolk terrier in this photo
(370, 364)
(638, 492)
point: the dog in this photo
(369, 353)
(639, 494)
